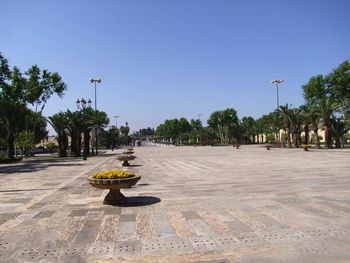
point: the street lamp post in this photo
(199, 118)
(116, 130)
(95, 81)
(82, 105)
(116, 120)
(277, 81)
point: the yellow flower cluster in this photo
(113, 174)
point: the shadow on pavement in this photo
(139, 201)
(28, 166)
(135, 165)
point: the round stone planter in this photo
(114, 195)
(125, 159)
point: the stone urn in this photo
(128, 152)
(114, 195)
(125, 158)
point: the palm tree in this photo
(326, 108)
(59, 122)
(295, 122)
(266, 126)
(311, 115)
(338, 129)
(286, 111)
(248, 126)
(87, 126)
(306, 122)
(75, 127)
(99, 120)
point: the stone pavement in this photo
(193, 204)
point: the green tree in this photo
(225, 124)
(184, 130)
(339, 86)
(315, 89)
(75, 129)
(25, 141)
(313, 117)
(248, 125)
(305, 111)
(266, 125)
(296, 121)
(338, 130)
(16, 91)
(99, 120)
(124, 130)
(12, 103)
(286, 112)
(59, 123)
(40, 86)
(325, 108)
(196, 130)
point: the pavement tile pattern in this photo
(193, 204)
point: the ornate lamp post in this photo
(82, 105)
(95, 81)
(277, 81)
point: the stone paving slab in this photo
(193, 204)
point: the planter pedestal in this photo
(126, 163)
(125, 159)
(114, 196)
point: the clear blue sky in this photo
(161, 59)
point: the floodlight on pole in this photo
(95, 81)
(116, 120)
(277, 81)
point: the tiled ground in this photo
(193, 204)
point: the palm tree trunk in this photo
(299, 138)
(73, 145)
(318, 145)
(337, 142)
(60, 146)
(10, 141)
(87, 142)
(306, 132)
(327, 135)
(289, 139)
(294, 137)
(79, 144)
(64, 145)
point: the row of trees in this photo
(79, 126)
(19, 90)
(223, 126)
(328, 97)
(23, 128)
(113, 137)
(327, 107)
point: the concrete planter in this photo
(125, 159)
(114, 195)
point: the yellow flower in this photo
(113, 174)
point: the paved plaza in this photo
(192, 204)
